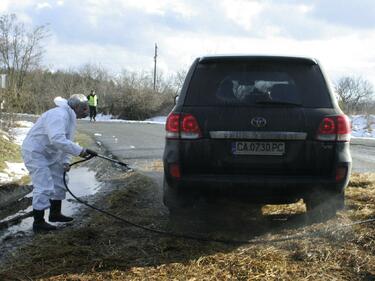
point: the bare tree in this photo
(21, 50)
(354, 92)
(179, 79)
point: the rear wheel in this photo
(255, 210)
(321, 207)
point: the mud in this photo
(11, 194)
(15, 216)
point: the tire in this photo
(324, 206)
(255, 210)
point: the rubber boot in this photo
(55, 212)
(40, 225)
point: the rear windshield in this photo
(253, 83)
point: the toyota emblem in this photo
(259, 122)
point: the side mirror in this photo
(176, 99)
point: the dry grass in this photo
(8, 152)
(296, 208)
(104, 249)
(154, 166)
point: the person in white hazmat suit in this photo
(46, 151)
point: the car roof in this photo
(263, 58)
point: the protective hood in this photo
(61, 102)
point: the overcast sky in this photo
(118, 34)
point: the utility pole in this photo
(3, 81)
(2, 86)
(155, 56)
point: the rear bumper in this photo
(252, 181)
(251, 188)
(262, 189)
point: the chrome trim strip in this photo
(258, 135)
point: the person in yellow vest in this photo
(93, 103)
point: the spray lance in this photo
(91, 153)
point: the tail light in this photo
(172, 126)
(341, 173)
(343, 128)
(334, 128)
(174, 170)
(184, 126)
(190, 128)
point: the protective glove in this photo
(66, 167)
(87, 152)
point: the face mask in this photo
(82, 111)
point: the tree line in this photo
(356, 95)
(30, 88)
(130, 95)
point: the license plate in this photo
(258, 148)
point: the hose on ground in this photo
(310, 234)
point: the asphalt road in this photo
(136, 143)
(133, 143)
(363, 154)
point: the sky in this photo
(121, 34)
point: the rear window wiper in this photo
(278, 102)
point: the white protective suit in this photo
(47, 146)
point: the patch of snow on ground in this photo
(5, 178)
(363, 126)
(159, 119)
(110, 118)
(19, 133)
(26, 124)
(100, 117)
(16, 170)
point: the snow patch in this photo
(25, 124)
(159, 119)
(100, 117)
(110, 118)
(363, 126)
(20, 131)
(16, 169)
(5, 178)
(14, 172)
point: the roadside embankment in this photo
(97, 247)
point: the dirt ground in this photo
(97, 247)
